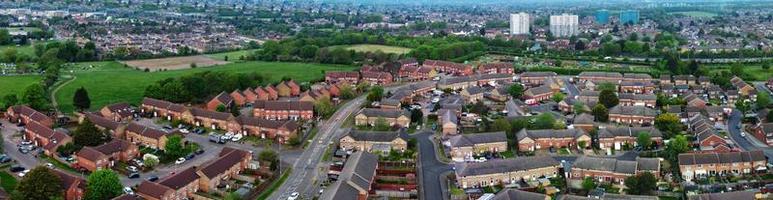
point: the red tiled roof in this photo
(223, 163)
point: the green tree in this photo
(9, 100)
(558, 97)
(588, 184)
(417, 116)
(515, 90)
(10, 55)
(35, 96)
(766, 65)
(381, 124)
(544, 121)
(150, 161)
(324, 107)
(220, 108)
(375, 93)
(103, 184)
(644, 139)
(770, 115)
(582, 144)
(39, 183)
(600, 113)
(232, 196)
(736, 69)
(678, 144)
(608, 98)
(501, 124)
(578, 107)
(763, 100)
(641, 184)
(87, 134)
(81, 99)
(269, 156)
(174, 147)
(347, 92)
(743, 105)
(669, 123)
(606, 86)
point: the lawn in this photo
(111, 82)
(16, 84)
(754, 71)
(7, 181)
(232, 55)
(696, 14)
(376, 47)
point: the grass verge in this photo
(264, 195)
(58, 164)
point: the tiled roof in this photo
(549, 133)
(223, 163)
(180, 179)
(102, 121)
(89, 153)
(514, 194)
(283, 105)
(465, 140)
(615, 165)
(373, 136)
(198, 112)
(390, 113)
(154, 190)
(505, 165)
(115, 145)
(358, 171)
(633, 110)
(145, 131)
(611, 132)
(716, 158)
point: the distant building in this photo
(602, 16)
(564, 25)
(519, 23)
(629, 17)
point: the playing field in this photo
(696, 14)
(376, 47)
(174, 63)
(16, 84)
(111, 82)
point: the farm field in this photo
(28, 50)
(174, 63)
(376, 47)
(110, 82)
(696, 14)
(232, 55)
(16, 84)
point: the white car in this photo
(743, 134)
(237, 137)
(184, 131)
(180, 160)
(22, 173)
(293, 196)
(49, 165)
(128, 191)
(132, 168)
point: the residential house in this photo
(616, 137)
(584, 121)
(281, 130)
(496, 68)
(535, 78)
(223, 99)
(161, 108)
(537, 94)
(250, 95)
(146, 136)
(283, 110)
(743, 88)
(632, 114)
(684, 80)
(693, 100)
(449, 122)
(273, 93)
(701, 165)
(630, 99)
(105, 155)
(504, 171)
(155, 191)
(337, 77)
(531, 140)
(208, 118)
(45, 137)
(229, 163)
(613, 170)
(706, 135)
(117, 112)
(473, 94)
(464, 146)
(115, 128)
(614, 77)
(764, 133)
(238, 97)
(371, 141)
(515, 194)
(369, 116)
(637, 87)
(406, 62)
(184, 183)
(74, 187)
(377, 78)
(635, 77)
(25, 114)
(449, 67)
(355, 180)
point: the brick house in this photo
(250, 95)
(705, 133)
(531, 140)
(370, 141)
(511, 193)
(104, 156)
(764, 133)
(504, 171)
(117, 112)
(25, 114)
(616, 137)
(355, 179)
(536, 94)
(448, 121)
(337, 77)
(611, 169)
(288, 89)
(221, 99)
(496, 68)
(406, 62)
(263, 128)
(261, 94)
(377, 78)
(584, 122)
(632, 114)
(694, 101)
(74, 187)
(637, 87)
(630, 99)
(273, 93)
(535, 78)
(473, 94)
(417, 73)
(161, 108)
(208, 118)
(743, 88)
(146, 136)
(116, 129)
(447, 67)
(282, 110)
(229, 163)
(466, 145)
(155, 191)
(314, 95)
(45, 137)
(238, 97)
(295, 89)
(184, 183)
(614, 77)
(635, 77)
(369, 116)
(684, 80)
(701, 165)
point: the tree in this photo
(606, 86)
(515, 90)
(81, 99)
(220, 108)
(150, 161)
(582, 144)
(87, 134)
(736, 69)
(641, 184)
(600, 113)
(644, 139)
(588, 184)
(232, 196)
(381, 124)
(544, 121)
(347, 92)
(375, 93)
(766, 65)
(578, 107)
(770, 115)
(234, 110)
(35, 96)
(668, 123)
(324, 107)
(678, 144)
(763, 100)
(39, 183)
(269, 156)
(9, 100)
(10, 55)
(501, 124)
(67, 149)
(103, 184)
(558, 97)
(417, 116)
(174, 146)
(743, 105)
(608, 98)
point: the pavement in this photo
(10, 147)
(431, 170)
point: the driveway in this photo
(431, 169)
(10, 147)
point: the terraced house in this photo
(104, 156)
(370, 141)
(25, 114)
(611, 169)
(505, 171)
(466, 145)
(701, 165)
(208, 118)
(531, 140)
(230, 162)
(632, 114)
(282, 131)
(496, 68)
(45, 137)
(117, 112)
(355, 179)
(337, 77)
(283, 110)
(629, 99)
(369, 117)
(146, 136)
(535, 78)
(161, 108)
(616, 137)
(447, 67)
(222, 99)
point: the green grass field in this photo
(7, 181)
(16, 84)
(28, 50)
(376, 47)
(754, 71)
(696, 14)
(232, 55)
(110, 82)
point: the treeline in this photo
(199, 87)
(447, 51)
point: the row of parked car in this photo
(222, 139)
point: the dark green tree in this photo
(608, 98)
(174, 147)
(87, 134)
(103, 184)
(641, 184)
(35, 96)
(515, 90)
(9, 100)
(600, 113)
(39, 183)
(81, 99)
(375, 93)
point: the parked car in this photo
(180, 160)
(198, 131)
(216, 138)
(17, 168)
(128, 190)
(22, 173)
(132, 169)
(237, 137)
(190, 156)
(49, 165)
(200, 151)
(167, 127)
(134, 175)
(153, 178)
(293, 196)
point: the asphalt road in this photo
(10, 147)
(733, 126)
(431, 169)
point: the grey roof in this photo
(386, 113)
(549, 133)
(737, 195)
(632, 96)
(359, 170)
(711, 158)
(514, 194)
(373, 136)
(475, 90)
(600, 74)
(628, 131)
(583, 118)
(505, 165)
(537, 91)
(465, 140)
(538, 74)
(633, 110)
(615, 165)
